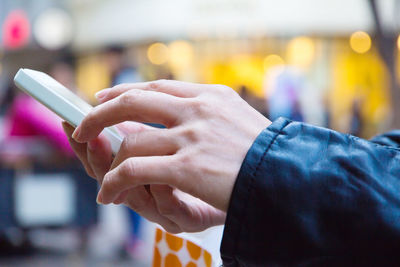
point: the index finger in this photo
(171, 87)
(134, 105)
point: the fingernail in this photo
(100, 95)
(92, 144)
(75, 134)
(99, 200)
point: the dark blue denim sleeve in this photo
(309, 195)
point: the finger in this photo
(79, 149)
(171, 87)
(168, 204)
(135, 105)
(141, 201)
(134, 172)
(130, 127)
(157, 142)
(122, 197)
(188, 212)
(99, 156)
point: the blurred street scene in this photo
(329, 63)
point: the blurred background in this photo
(329, 63)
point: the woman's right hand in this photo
(172, 209)
(209, 130)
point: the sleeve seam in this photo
(265, 153)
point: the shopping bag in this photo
(188, 249)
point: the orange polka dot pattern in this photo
(174, 251)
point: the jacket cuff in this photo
(238, 207)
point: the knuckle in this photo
(184, 164)
(121, 86)
(107, 185)
(127, 168)
(156, 85)
(130, 97)
(129, 143)
(91, 117)
(223, 89)
(190, 134)
(113, 180)
(185, 159)
(118, 87)
(198, 107)
(184, 169)
(107, 182)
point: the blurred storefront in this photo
(330, 45)
(316, 61)
(237, 43)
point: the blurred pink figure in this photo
(28, 118)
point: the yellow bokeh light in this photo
(398, 42)
(301, 51)
(272, 61)
(92, 75)
(360, 42)
(180, 54)
(157, 53)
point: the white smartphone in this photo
(60, 100)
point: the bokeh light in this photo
(180, 54)
(272, 61)
(301, 51)
(92, 75)
(16, 30)
(360, 42)
(53, 29)
(157, 53)
(300, 65)
(398, 42)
